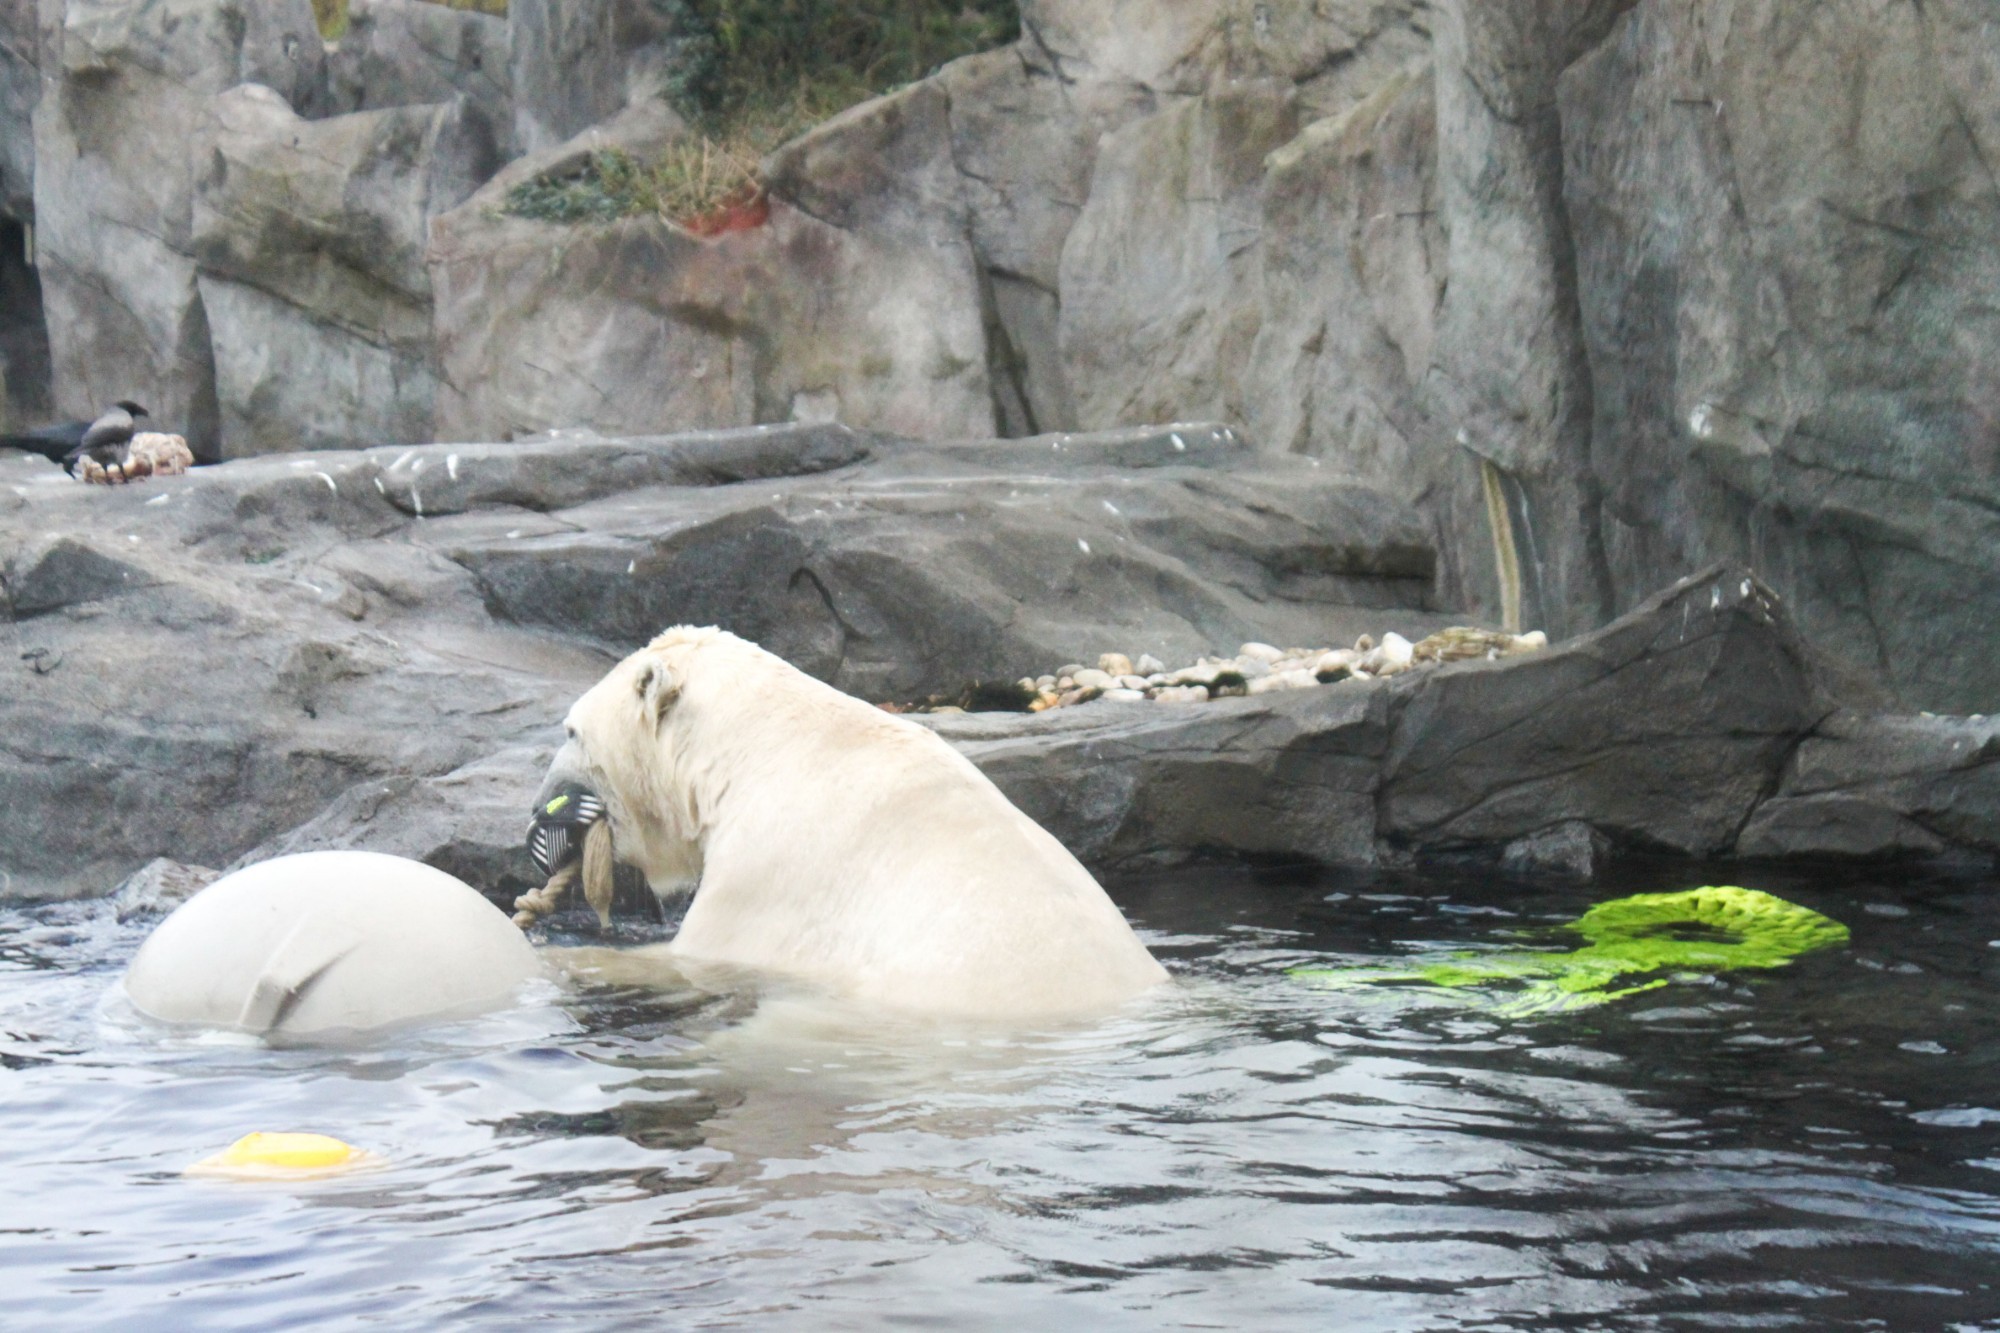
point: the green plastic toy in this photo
(1712, 929)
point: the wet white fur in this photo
(839, 844)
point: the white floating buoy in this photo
(324, 945)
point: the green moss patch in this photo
(1630, 942)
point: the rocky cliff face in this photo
(1787, 224)
(1605, 290)
(375, 648)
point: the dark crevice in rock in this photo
(26, 378)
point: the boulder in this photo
(1883, 786)
(916, 571)
(1787, 242)
(206, 662)
(1661, 732)
(160, 886)
(1571, 849)
(128, 87)
(1290, 775)
(372, 649)
(202, 671)
(858, 299)
(1664, 730)
(310, 239)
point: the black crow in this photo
(103, 440)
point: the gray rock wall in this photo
(1788, 226)
(1608, 290)
(412, 53)
(127, 90)
(203, 662)
(20, 90)
(310, 239)
(858, 299)
(578, 62)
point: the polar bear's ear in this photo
(657, 688)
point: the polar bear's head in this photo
(622, 742)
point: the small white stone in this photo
(1532, 642)
(1116, 663)
(1090, 678)
(1284, 680)
(1393, 657)
(1260, 652)
(1148, 665)
(1132, 681)
(1182, 694)
(1083, 546)
(1124, 696)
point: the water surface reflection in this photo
(1814, 1147)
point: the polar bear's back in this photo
(862, 851)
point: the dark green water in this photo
(1814, 1147)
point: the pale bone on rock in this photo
(150, 454)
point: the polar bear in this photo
(830, 841)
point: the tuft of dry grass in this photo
(698, 182)
(757, 73)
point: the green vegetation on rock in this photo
(1631, 940)
(751, 74)
(331, 15)
(612, 186)
(748, 58)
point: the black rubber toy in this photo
(555, 835)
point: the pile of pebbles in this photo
(1257, 668)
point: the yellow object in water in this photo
(284, 1157)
